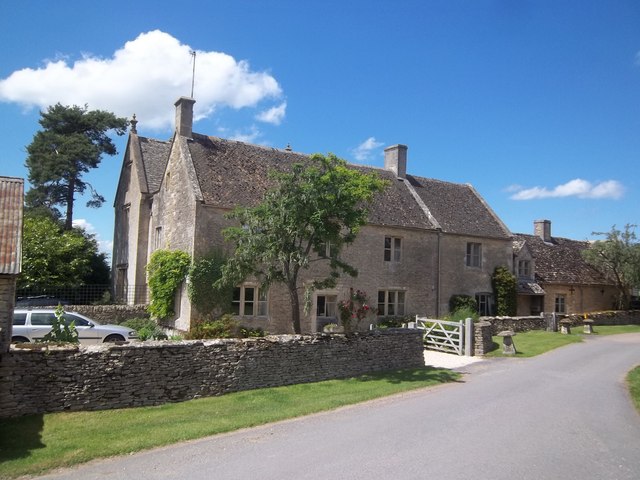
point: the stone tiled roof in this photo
(234, 173)
(561, 261)
(155, 155)
(529, 288)
(11, 205)
(458, 208)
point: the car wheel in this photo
(19, 340)
(114, 338)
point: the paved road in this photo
(563, 415)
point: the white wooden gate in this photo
(445, 336)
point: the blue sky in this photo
(534, 103)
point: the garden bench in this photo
(508, 347)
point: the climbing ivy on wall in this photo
(505, 292)
(205, 294)
(166, 269)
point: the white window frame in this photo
(256, 307)
(329, 305)
(473, 258)
(484, 301)
(392, 302)
(157, 239)
(560, 303)
(524, 268)
(392, 249)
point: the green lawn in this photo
(633, 381)
(536, 342)
(38, 443)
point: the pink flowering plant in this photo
(354, 309)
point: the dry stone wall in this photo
(151, 373)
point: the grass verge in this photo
(37, 443)
(633, 381)
(536, 342)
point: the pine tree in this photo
(71, 142)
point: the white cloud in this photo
(274, 115)
(574, 188)
(363, 151)
(104, 246)
(144, 77)
(85, 225)
(251, 136)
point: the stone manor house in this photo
(425, 240)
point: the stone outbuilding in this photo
(553, 275)
(11, 217)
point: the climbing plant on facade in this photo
(505, 290)
(166, 269)
(205, 292)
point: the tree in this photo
(54, 257)
(71, 142)
(310, 214)
(618, 258)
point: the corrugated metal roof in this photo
(11, 207)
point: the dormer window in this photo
(524, 268)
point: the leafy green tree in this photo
(618, 258)
(71, 142)
(54, 257)
(312, 212)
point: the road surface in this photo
(562, 415)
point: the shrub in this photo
(246, 332)
(354, 310)
(456, 302)
(462, 314)
(394, 322)
(61, 331)
(224, 327)
(147, 329)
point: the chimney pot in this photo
(542, 229)
(395, 159)
(184, 116)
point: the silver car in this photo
(33, 325)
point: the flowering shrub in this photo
(354, 309)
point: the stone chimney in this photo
(542, 229)
(184, 116)
(395, 159)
